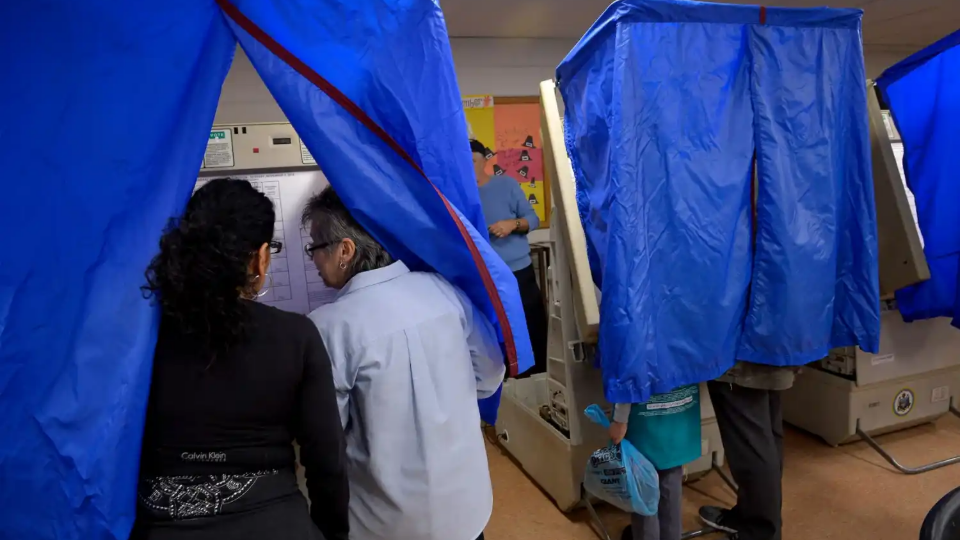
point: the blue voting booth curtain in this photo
(923, 93)
(388, 130)
(105, 109)
(667, 103)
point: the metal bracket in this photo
(579, 350)
(698, 533)
(896, 464)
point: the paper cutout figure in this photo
(528, 174)
(524, 156)
(489, 153)
(479, 114)
(532, 199)
(497, 170)
(529, 141)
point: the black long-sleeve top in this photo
(241, 413)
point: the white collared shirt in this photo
(411, 355)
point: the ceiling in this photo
(896, 24)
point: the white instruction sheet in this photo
(219, 150)
(293, 283)
(898, 154)
(897, 145)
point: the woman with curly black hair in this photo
(234, 383)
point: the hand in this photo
(502, 229)
(617, 432)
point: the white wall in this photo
(878, 59)
(506, 67)
(502, 67)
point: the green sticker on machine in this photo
(219, 149)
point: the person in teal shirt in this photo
(666, 430)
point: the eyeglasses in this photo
(275, 247)
(310, 248)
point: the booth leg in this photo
(896, 464)
(600, 529)
(698, 533)
(723, 474)
(727, 480)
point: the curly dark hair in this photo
(201, 272)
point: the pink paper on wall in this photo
(517, 125)
(525, 165)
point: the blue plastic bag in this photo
(620, 475)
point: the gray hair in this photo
(326, 214)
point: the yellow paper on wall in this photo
(479, 113)
(536, 198)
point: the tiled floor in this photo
(846, 493)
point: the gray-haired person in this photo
(411, 355)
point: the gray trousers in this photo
(751, 428)
(666, 525)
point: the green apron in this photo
(666, 429)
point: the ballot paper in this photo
(898, 154)
(897, 144)
(293, 283)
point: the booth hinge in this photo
(579, 351)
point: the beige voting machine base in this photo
(541, 422)
(915, 378)
(854, 395)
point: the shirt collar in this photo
(374, 277)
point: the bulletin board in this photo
(509, 127)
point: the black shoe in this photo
(720, 519)
(627, 533)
